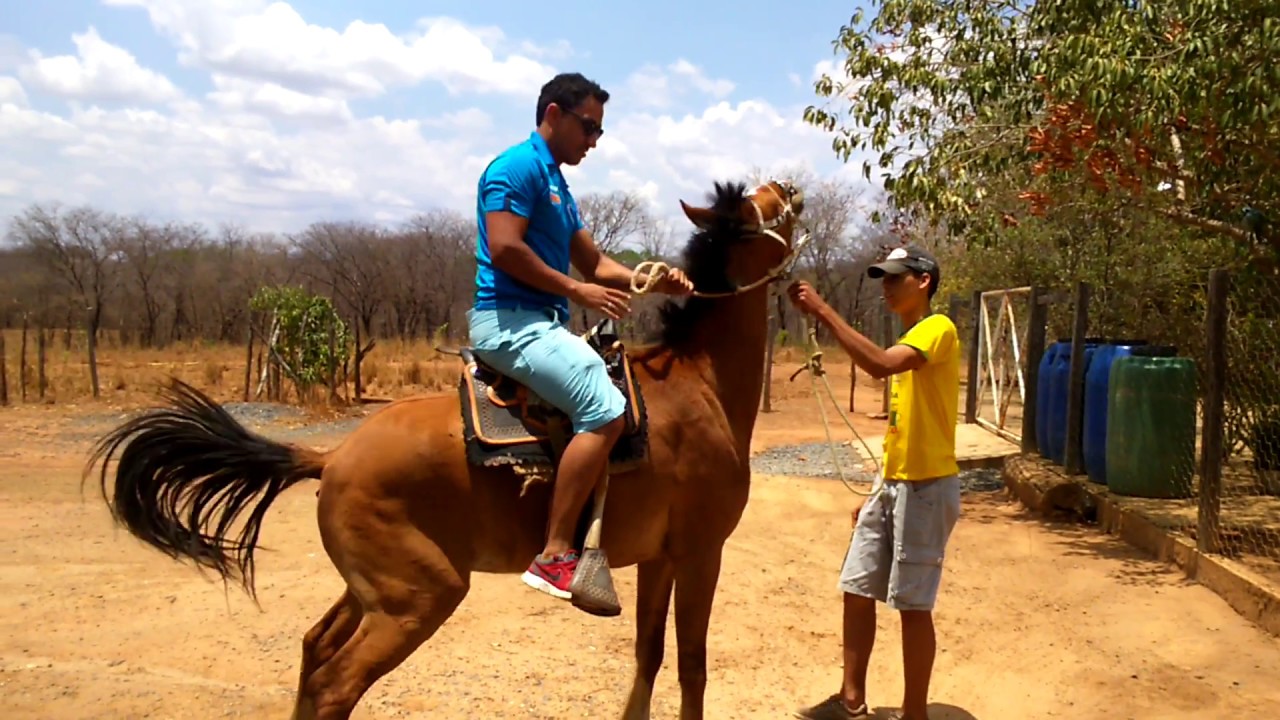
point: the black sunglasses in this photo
(589, 126)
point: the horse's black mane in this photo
(706, 260)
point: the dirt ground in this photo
(1035, 620)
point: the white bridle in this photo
(655, 269)
(764, 227)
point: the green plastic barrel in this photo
(1151, 426)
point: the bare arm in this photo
(514, 257)
(876, 361)
(595, 266)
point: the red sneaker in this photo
(552, 575)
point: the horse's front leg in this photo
(653, 598)
(696, 579)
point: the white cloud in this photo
(653, 86)
(280, 136)
(99, 71)
(273, 43)
(726, 140)
(276, 101)
(11, 92)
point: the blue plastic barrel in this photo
(1059, 386)
(1096, 397)
(1043, 387)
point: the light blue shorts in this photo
(896, 552)
(536, 349)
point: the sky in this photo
(273, 115)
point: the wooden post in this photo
(22, 360)
(333, 360)
(4, 380)
(853, 383)
(359, 380)
(975, 360)
(1037, 321)
(42, 339)
(1072, 462)
(768, 359)
(1208, 522)
(248, 362)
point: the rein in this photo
(655, 270)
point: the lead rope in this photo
(654, 271)
(814, 366)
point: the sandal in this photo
(833, 708)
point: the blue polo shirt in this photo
(525, 180)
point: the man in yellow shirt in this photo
(900, 534)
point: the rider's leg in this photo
(582, 466)
(564, 370)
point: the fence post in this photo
(42, 382)
(22, 359)
(248, 361)
(772, 331)
(4, 380)
(1037, 322)
(975, 362)
(1071, 461)
(1208, 522)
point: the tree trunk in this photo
(358, 358)
(95, 318)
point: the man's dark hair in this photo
(568, 90)
(935, 276)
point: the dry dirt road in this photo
(1035, 620)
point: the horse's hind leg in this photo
(383, 638)
(327, 637)
(404, 584)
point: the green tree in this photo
(1174, 105)
(302, 327)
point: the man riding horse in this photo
(529, 234)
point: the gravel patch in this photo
(813, 460)
(258, 413)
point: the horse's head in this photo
(751, 236)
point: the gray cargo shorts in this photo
(896, 551)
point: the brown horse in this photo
(406, 518)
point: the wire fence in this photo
(1177, 420)
(1247, 470)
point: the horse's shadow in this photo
(937, 711)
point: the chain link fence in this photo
(1244, 518)
(1178, 417)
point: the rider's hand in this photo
(674, 282)
(613, 303)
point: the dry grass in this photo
(130, 375)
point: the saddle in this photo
(506, 423)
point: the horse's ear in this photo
(703, 218)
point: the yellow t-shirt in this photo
(921, 441)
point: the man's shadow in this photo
(937, 711)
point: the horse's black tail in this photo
(188, 471)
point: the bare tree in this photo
(831, 211)
(445, 242)
(658, 240)
(79, 246)
(613, 217)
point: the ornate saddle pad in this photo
(506, 423)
